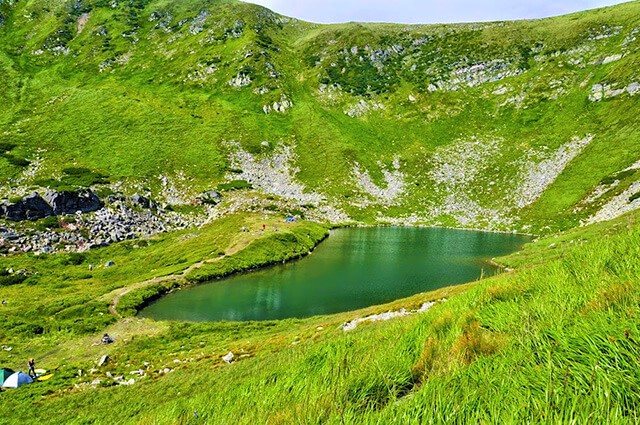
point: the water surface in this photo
(353, 268)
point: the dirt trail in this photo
(118, 293)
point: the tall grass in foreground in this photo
(555, 343)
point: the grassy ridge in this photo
(290, 243)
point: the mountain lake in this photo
(352, 269)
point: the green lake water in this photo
(353, 268)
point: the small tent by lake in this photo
(16, 380)
(4, 374)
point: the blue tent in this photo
(16, 380)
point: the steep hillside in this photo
(505, 125)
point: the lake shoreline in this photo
(154, 290)
(427, 257)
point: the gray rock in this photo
(31, 207)
(142, 202)
(9, 235)
(210, 197)
(13, 212)
(228, 358)
(36, 207)
(67, 202)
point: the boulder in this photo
(228, 358)
(210, 197)
(13, 212)
(31, 207)
(9, 235)
(36, 207)
(103, 360)
(140, 201)
(68, 202)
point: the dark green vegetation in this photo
(524, 125)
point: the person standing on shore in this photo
(32, 368)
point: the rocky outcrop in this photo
(117, 221)
(394, 179)
(282, 106)
(543, 168)
(274, 174)
(34, 206)
(618, 205)
(607, 91)
(240, 80)
(362, 108)
(31, 207)
(68, 202)
(138, 200)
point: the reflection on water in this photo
(354, 268)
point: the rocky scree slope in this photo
(519, 126)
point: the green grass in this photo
(556, 341)
(69, 293)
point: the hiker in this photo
(264, 226)
(32, 368)
(106, 339)
(4, 302)
(244, 229)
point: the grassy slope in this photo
(556, 340)
(142, 116)
(63, 297)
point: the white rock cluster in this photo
(607, 91)
(537, 175)
(240, 80)
(394, 179)
(201, 73)
(281, 106)
(456, 166)
(174, 190)
(274, 174)
(475, 75)
(197, 25)
(120, 60)
(362, 107)
(349, 326)
(618, 205)
(455, 170)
